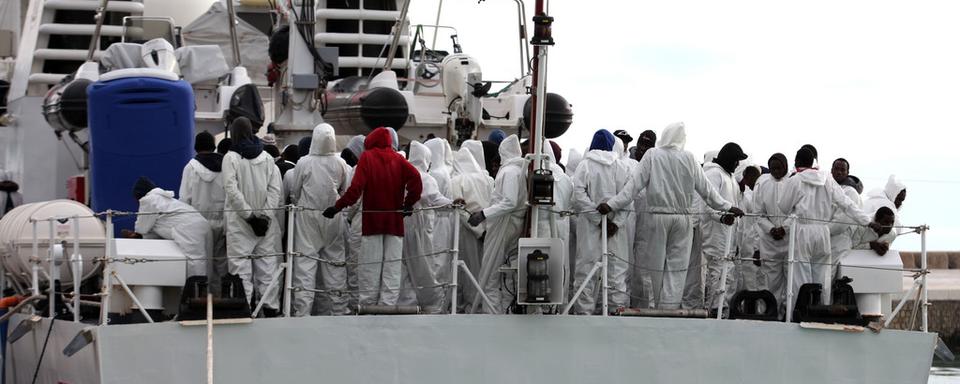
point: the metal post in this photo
(603, 260)
(923, 278)
(54, 272)
(397, 30)
(107, 258)
(209, 337)
(95, 38)
(76, 262)
(455, 264)
(35, 260)
(436, 30)
(234, 42)
(722, 293)
(288, 273)
(790, 256)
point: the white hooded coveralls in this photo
(423, 263)
(202, 189)
(474, 186)
(601, 176)
(671, 176)
(252, 186)
(773, 268)
(504, 219)
(319, 180)
(715, 236)
(812, 195)
(169, 218)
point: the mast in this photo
(542, 39)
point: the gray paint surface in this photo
(482, 349)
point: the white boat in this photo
(397, 349)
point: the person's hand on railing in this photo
(727, 219)
(778, 233)
(736, 212)
(128, 234)
(876, 227)
(407, 210)
(604, 209)
(756, 258)
(476, 218)
(611, 228)
(880, 247)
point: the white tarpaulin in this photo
(213, 28)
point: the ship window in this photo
(380, 5)
(343, 26)
(343, 4)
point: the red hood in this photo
(379, 138)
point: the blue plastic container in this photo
(139, 126)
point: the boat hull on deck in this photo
(476, 349)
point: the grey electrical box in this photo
(6, 43)
(305, 81)
(332, 56)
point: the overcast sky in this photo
(876, 82)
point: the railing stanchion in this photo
(790, 261)
(288, 266)
(455, 263)
(603, 259)
(923, 278)
(106, 272)
(76, 262)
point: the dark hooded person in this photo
(162, 216)
(253, 190)
(388, 185)
(201, 186)
(715, 227)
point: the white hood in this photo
(710, 156)
(158, 192)
(441, 154)
(476, 149)
(205, 174)
(893, 188)
(601, 156)
(812, 176)
(510, 149)
(673, 136)
(573, 160)
(465, 164)
(324, 141)
(419, 156)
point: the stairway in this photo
(55, 38)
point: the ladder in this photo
(50, 45)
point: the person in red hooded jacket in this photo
(388, 185)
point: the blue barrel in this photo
(139, 126)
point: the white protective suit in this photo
(812, 195)
(601, 176)
(694, 290)
(630, 227)
(202, 189)
(885, 197)
(671, 177)
(766, 202)
(748, 273)
(840, 229)
(442, 170)
(573, 161)
(715, 235)
(252, 186)
(423, 263)
(178, 222)
(474, 186)
(504, 219)
(475, 147)
(320, 179)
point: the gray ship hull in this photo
(475, 349)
